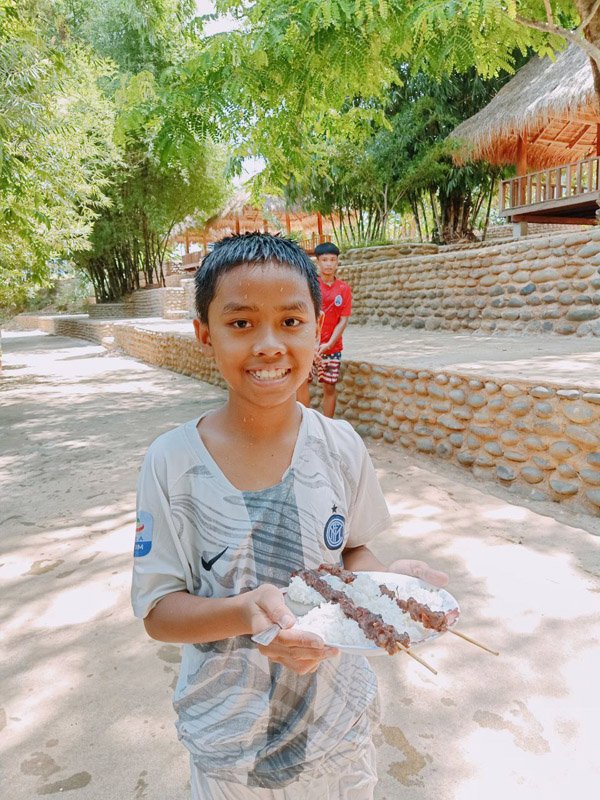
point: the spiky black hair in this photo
(251, 248)
(326, 248)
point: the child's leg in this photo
(329, 372)
(204, 788)
(356, 781)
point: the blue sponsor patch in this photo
(144, 525)
(338, 300)
(334, 530)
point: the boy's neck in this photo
(260, 423)
(330, 282)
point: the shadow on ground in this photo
(86, 695)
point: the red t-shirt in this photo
(337, 302)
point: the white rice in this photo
(333, 626)
(300, 592)
(330, 623)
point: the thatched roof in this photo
(249, 217)
(550, 103)
(240, 214)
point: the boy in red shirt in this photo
(337, 307)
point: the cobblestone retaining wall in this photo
(539, 285)
(78, 326)
(156, 302)
(540, 440)
(108, 311)
(42, 322)
(543, 441)
(169, 350)
(533, 228)
(387, 252)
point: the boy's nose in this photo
(268, 343)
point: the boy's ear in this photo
(320, 320)
(203, 336)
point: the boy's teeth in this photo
(269, 374)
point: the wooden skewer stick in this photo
(468, 639)
(416, 658)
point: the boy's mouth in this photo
(268, 374)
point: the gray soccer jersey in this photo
(243, 718)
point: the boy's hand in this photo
(264, 606)
(419, 569)
(298, 650)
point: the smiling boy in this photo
(229, 505)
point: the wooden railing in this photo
(191, 259)
(558, 183)
(310, 243)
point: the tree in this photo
(55, 145)
(170, 166)
(367, 172)
(348, 49)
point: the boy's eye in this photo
(240, 324)
(291, 322)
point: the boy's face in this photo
(327, 265)
(262, 331)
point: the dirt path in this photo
(85, 696)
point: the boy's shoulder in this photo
(342, 284)
(337, 434)
(174, 449)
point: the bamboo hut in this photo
(241, 216)
(545, 122)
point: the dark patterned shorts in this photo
(326, 369)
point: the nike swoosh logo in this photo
(209, 564)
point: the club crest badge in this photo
(338, 300)
(144, 525)
(334, 530)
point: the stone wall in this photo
(108, 311)
(533, 228)
(387, 252)
(173, 351)
(540, 440)
(536, 285)
(156, 302)
(78, 326)
(545, 440)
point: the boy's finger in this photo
(437, 578)
(296, 638)
(286, 620)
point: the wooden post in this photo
(320, 226)
(288, 223)
(187, 241)
(521, 166)
(265, 226)
(237, 223)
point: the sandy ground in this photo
(85, 695)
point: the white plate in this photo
(394, 581)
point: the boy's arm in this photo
(362, 559)
(183, 617)
(337, 332)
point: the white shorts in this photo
(356, 783)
